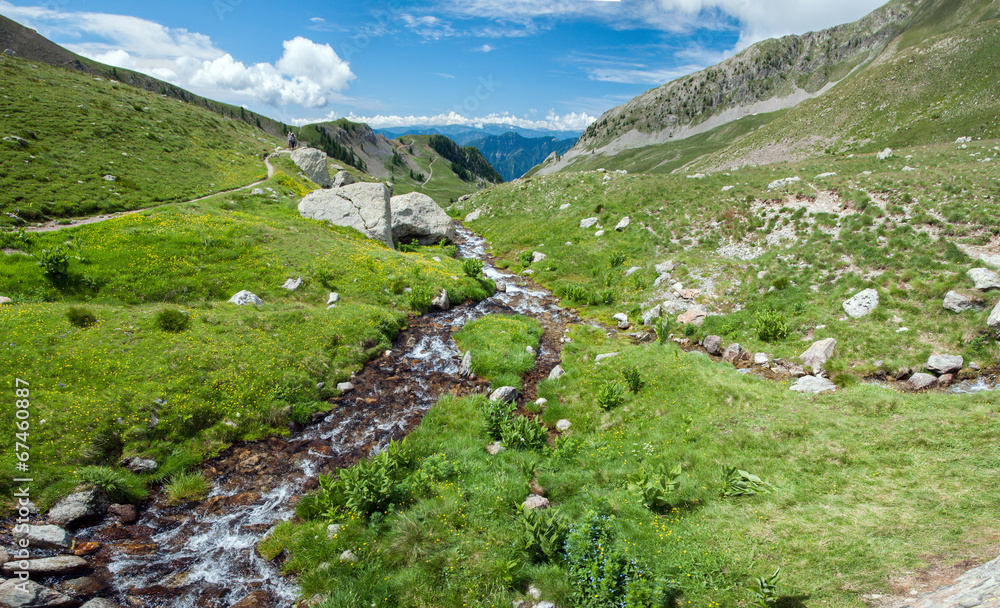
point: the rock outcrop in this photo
(313, 163)
(365, 207)
(17, 593)
(984, 279)
(416, 217)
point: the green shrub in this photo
(497, 413)
(421, 297)
(81, 316)
(541, 534)
(653, 488)
(121, 486)
(736, 482)
(372, 485)
(610, 395)
(633, 378)
(437, 467)
(525, 258)
(472, 267)
(523, 433)
(173, 320)
(616, 259)
(770, 326)
(185, 487)
(781, 283)
(55, 264)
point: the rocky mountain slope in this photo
(513, 155)
(896, 62)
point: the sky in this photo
(539, 64)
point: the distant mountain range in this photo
(463, 135)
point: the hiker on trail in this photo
(291, 140)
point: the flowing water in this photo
(202, 555)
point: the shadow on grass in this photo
(792, 601)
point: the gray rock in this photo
(956, 302)
(4, 556)
(48, 566)
(473, 215)
(884, 154)
(100, 602)
(557, 373)
(545, 604)
(819, 353)
(364, 207)
(507, 394)
(590, 222)
(537, 256)
(666, 267)
(47, 537)
(713, 344)
(978, 587)
(245, 298)
(16, 593)
(813, 384)
(622, 319)
(993, 322)
(313, 163)
(623, 224)
(332, 530)
(139, 465)
(920, 382)
(416, 216)
(342, 178)
(734, 352)
(530, 351)
(541, 402)
(652, 315)
(945, 364)
(501, 287)
(466, 368)
(534, 502)
(126, 513)
(762, 359)
(344, 387)
(333, 299)
(441, 302)
(599, 233)
(293, 284)
(600, 358)
(5, 300)
(631, 271)
(348, 556)
(984, 278)
(861, 304)
(81, 508)
(563, 425)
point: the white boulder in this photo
(417, 217)
(313, 163)
(861, 304)
(364, 207)
(245, 298)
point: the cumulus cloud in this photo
(553, 122)
(307, 73)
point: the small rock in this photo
(861, 304)
(813, 384)
(4, 556)
(600, 358)
(622, 319)
(652, 315)
(501, 287)
(126, 513)
(16, 593)
(733, 354)
(534, 592)
(344, 387)
(507, 394)
(293, 284)
(139, 465)
(946, 380)
(529, 350)
(110, 178)
(541, 402)
(563, 425)
(245, 298)
(884, 154)
(993, 322)
(956, 302)
(631, 271)
(944, 364)
(348, 556)
(80, 508)
(535, 502)
(590, 222)
(694, 315)
(5, 300)
(333, 299)
(473, 215)
(537, 256)
(545, 605)
(921, 382)
(332, 531)
(557, 373)
(86, 549)
(495, 448)
(564, 206)
(713, 344)
(599, 233)
(442, 302)
(465, 370)
(819, 353)
(83, 586)
(47, 537)
(623, 224)
(762, 359)
(984, 279)
(257, 192)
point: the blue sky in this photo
(552, 64)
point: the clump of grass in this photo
(81, 316)
(499, 345)
(185, 487)
(120, 485)
(173, 320)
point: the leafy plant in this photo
(770, 325)
(472, 267)
(173, 320)
(497, 414)
(616, 259)
(662, 327)
(55, 264)
(541, 533)
(525, 258)
(736, 482)
(184, 487)
(81, 316)
(781, 283)
(437, 467)
(610, 395)
(372, 485)
(421, 297)
(633, 378)
(121, 486)
(653, 487)
(765, 591)
(523, 433)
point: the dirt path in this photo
(52, 226)
(430, 171)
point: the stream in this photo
(202, 555)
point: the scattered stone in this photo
(984, 278)
(257, 192)
(631, 271)
(348, 556)
(762, 359)
(110, 178)
(136, 464)
(622, 319)
(781, 183)
(16, 593)
(861, 304)
(600, 358)
(245, 298)
(80, 508)
(535, 502)
(126, 513)
(46, 537)
(651, 315)
(921, 381)
(545, 605)
(563, 425)
(48, 566)
(534, 592)
(945, 364)
(416, 216)
(4, 556)
(733, 354)
(884, 154)
(956, 302)
(713, 344)
(530, 351)
(293, 284)
(537, 256)
(507, 394)
(342, 178)
(365, 207)
(465, 370)
(333, 299)
(666, 267)
(813, 384)
(590, 222)
(564, 206)
(256, 599)
(822, 175)
(442, 302)
(557, 373)
(599, 233)
(541, 402)
(344, 387)
(946, 380)
(313, 163)
(332, 531)
(623, 224)
(86, 586)
(501, 287)
(819, 353)
(473, 215)
(994, 321)
(695, 315)
(495, 448)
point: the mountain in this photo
(465, 135)
(911, 72)
(513, 155)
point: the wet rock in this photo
(29, 594)
(441, 302)
(86, 549)
(557, 372)
(600, 358)
(139, 465)
(589, 222)
(344, 387)
(944, 364)
(501, 287)
(921, 382)
(81, 508)
(563, 425)
(4, 556)
(495, 448)
(623, 224)
(257, 599)
(504, 393)
(245, 298)
(535, 502)
(99, 602)
(348, 556)
(861, 304)
(956, 302)
(713, 344)
(695, 315)
(946, 380)
(733, 354)
(984, 279)
(813, 384)
(761, 359)
(819, 353)
(48, 566)
(293, 284)
(83, 586)
(47, 537)
(465, 370)
(126, 513)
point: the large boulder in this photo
(984, 278)
(813, 384)
(342, 178)
(417, 217)
(956, 302)
(245, 298)
(81, 508)
(819, 353)
(365, 207)
(944, 364)
(994, 321)
(313, 163)
(16, 593)
(861, 304)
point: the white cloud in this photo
(554, 122)
(307, 73)
(486, 48)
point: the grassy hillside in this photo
(65, 132)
